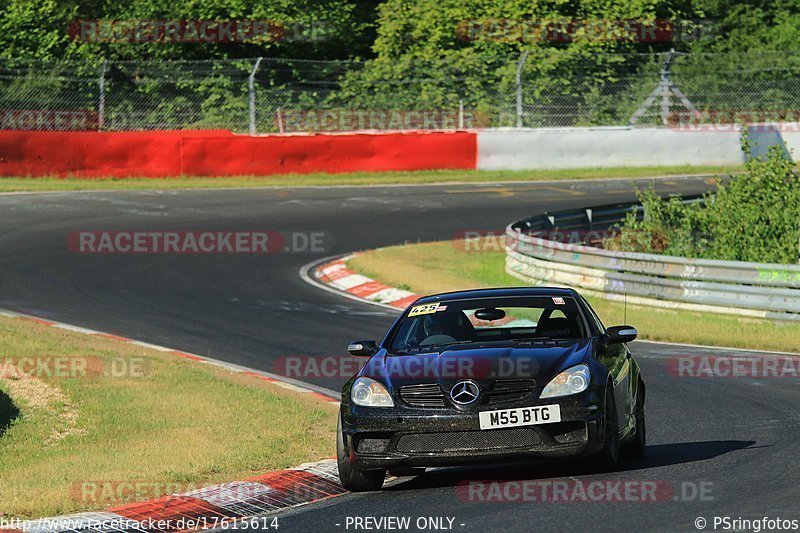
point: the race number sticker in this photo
(423, 309)
(559, 301)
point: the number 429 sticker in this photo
(426, 309)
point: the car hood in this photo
(484, 365)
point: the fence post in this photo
(666, 84)
(280, 120)
(251, 85)
(521, 62)
(461, 114)
(101, 104)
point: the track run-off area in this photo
(717, 448)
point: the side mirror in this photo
(620, 334)
(362, 348)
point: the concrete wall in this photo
(558, 148)
(220, 153)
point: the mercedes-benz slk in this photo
(490, 375)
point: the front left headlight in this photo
(367, 392)
(570, 381)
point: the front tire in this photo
(638, 442)
(352, 479)
(609, 455)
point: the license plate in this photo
(523, 416)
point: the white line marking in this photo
(307, 387)
(727, 348)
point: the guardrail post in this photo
(251, 85)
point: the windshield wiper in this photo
(447, 344)
(431, 347)
(543, 339)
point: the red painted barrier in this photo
(204, 156)
(95, 154)
(221, 153)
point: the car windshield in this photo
(431, 327)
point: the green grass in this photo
(444, 266)
(172, 421)
(13, 184)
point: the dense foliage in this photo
(401, 35)
(418, 55)
(40, 29)
(753, 217)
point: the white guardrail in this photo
(760, 290)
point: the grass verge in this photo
(13, 184)
(444, 266)
(101, 423)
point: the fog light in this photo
(372, 445)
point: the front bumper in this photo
(402, 436)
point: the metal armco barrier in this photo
(761, 290)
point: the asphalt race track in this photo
(723, 447)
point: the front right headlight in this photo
(570, 381)
(367, 392)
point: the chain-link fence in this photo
(264, 95)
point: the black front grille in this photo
(501, 392)
(510, 391)
(465, 441)
(425, 395)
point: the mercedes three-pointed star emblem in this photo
(465, 392)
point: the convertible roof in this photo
(497, 293)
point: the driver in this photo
(449, 324)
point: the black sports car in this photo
(487, 375)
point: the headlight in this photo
(367, 392)
(570, 381)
